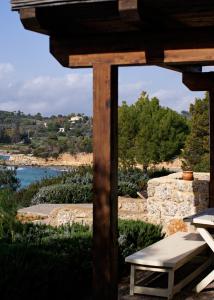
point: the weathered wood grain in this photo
(17, 4)
(129, 50)
(173, 57)
(105, 110)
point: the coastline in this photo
(67, 160)
(64, 160)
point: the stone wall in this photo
(128, 208)
(170, 199)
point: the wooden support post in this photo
(105, 207)
(211, 116)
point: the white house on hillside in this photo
(75, 119)
(61, 129)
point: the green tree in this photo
(8, 179)
(150, 133)
(196, 151)
(4, 137)
(127, 131)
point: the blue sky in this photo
(32, 81)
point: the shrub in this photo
(24, 196)
(127, 189)
(8, 178)
(82, 175)
(133, 175)
(64, 193)
(41, 260)
(155, 172)
(135, 235)
(53, 264)
(75, 186)
(8, 211)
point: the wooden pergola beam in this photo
(81, 53)
(136, 58)
(199, 81)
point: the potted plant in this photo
(187, 171)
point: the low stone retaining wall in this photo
(59, 214)
(170, 199)
(128, 208)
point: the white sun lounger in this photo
(167, 256)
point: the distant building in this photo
(45, 124)
(62, 129)
(75, 119)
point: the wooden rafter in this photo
(199, 81)
(148, 13)
(82, 53)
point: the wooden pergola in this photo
(106, 34)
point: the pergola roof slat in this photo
(17, 4)
(142, 14)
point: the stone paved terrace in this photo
(46, 209)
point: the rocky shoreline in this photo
(68, 160)
(64, 160)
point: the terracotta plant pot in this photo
(187, 175)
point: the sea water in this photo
(28, 175)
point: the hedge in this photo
(64, 193)
(38, 261)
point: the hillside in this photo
(45, 136)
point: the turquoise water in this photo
(4, 157)
(27, 175)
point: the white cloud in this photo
(176, 99)
(48, 95)
(208, 69)
(5, 70)
(130, 92)
(73, 92)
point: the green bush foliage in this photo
(24, 196)
(155, 172)
(133, 236)
(37, 261)
(8, 178)
(64, 193)
(75, 186)
(8, 211)
(40, 260)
